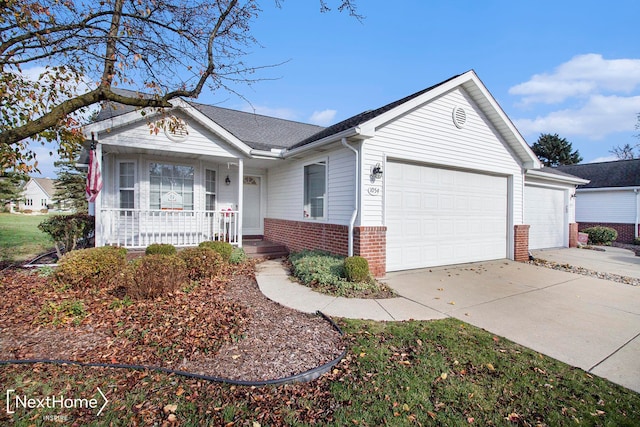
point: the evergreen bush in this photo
(201, 262)
(238, 256)
(93, 267)
(67, 231)
(153, 276)
(160, 249)
(223, 248)
(601, 235)
(357, 269)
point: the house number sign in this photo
(374, 191)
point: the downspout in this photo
(354, 215)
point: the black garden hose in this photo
(306, 376)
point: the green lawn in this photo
(441, 372)
(20, 238)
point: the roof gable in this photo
(47, 185)
(620, 173)
(250, 129)
(366, 123)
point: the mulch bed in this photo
(223, 327)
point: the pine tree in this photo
(554, 151)
(71, 184)
(11, 186)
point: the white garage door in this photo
(439, 216)
(544, 212)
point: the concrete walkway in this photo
(590, 323)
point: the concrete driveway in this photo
(586, 322)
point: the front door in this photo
(252, 206)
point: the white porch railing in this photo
(137, 228)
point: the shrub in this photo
(93, 267)
(155, 275)
(160, 249)
(238, 256)
(223, 248)
(601, 235)
(201, 262)
(67, 231)
(357, 269)
(317, 267)
(636, 241)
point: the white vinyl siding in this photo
(428, 135)
(439, 216)
(137, 136)
(545, 213)
(615, 206)
(285, 186)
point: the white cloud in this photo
(598, 117)
(582, 76)
(323, 118)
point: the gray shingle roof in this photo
(263, 132)
(257, 131)
(621, 173)
(364, 117)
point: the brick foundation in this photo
(573, 235)
(368, 242)
(521, 242)
(625, 231)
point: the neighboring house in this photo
(37, 195)
(611, 198)
(439, 177)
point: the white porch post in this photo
(240, 197)
(97, 205)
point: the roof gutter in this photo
(539, 173)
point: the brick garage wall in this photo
(371, 243)
(573, 235)
(521, 242)
(368, 242)
(625, 231)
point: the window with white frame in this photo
(126, 185)
(315, 190)
(210, 189)
(170, 187)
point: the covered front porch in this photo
(137, 228)
(179, 199)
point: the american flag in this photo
(94, 177)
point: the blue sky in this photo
(567, 67)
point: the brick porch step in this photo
(259, 248)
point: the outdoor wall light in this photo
(376, 171)
(227, 180)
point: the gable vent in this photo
(459, 117)
(176, 129)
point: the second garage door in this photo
(438, 216)
(545, 213)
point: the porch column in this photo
(240, 199)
